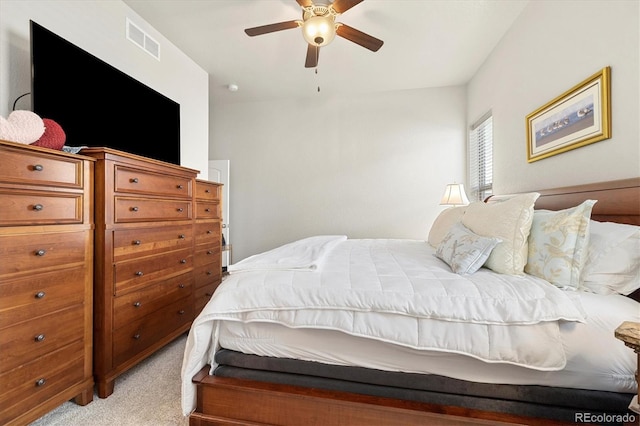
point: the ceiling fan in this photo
(319, 27)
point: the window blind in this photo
(481, 158)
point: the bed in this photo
(300, 335)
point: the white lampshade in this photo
(319, 30)
(454, 195)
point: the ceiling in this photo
(427, 43)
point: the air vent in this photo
(142, 40)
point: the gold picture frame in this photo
(578, 117)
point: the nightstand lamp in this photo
(454, 195)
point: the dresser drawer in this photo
(40, 294)
(39, 208)
(41, 379)
(30, 252)
(38, 168)
(137, 181)
(207, 191)
(138, 304)
(139, 335)
(207, 256)
(134, 273)
(207, 210)
(203, 295)
(129, 209)
(207, 274)
(31, 339)
(208, 233)
(130, 243)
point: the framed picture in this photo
(578, 117)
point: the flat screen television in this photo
(98, 105)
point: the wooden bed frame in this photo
(228, 401)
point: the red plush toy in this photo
(53, 137)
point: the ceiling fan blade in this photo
(264, 29)
(358, 37)
(305, 3)
(313, 54)
(341, 6)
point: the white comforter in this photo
(389, 290)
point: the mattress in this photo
(596, 360)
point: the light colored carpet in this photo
(147, 394)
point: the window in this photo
(481, 158)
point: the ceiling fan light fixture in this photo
(319, 30)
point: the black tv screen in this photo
(98, 105)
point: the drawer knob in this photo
(181, 312)
(41, 382)
(183, 261)
(139, 273)
(207, 191)
(182, 236)
(38, 207)
(136, 336)
(181, 285)
(209, 232)
(180, 187)
(38, 168)
(40, 294)
(208, 210)
(136, 242)
(209, 252)
(39, 338)
(136, 304)
(41, 252)
(133, 180)
(209, 273)
(180, 209)
(134, 209)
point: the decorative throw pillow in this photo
(443, 224)
(558, 244)
(613, 259)
(21, 126)
(509, 220)
(53, 136)
(464, 251)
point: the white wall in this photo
(99, 28)
(368, 166)
(551, 47)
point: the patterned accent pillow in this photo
(443, 224)
(509, 219)
(558, 244)
(464, 251)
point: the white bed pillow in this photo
(443, 224)
(558, 245)
(508, 219)
(464, 251)
(613, 259)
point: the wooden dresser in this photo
(144, 280)
(46, 281)
(208, 238)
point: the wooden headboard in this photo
(618, 200)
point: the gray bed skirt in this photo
(545, 402)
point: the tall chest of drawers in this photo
(208, 239)
(46, 281)
(144, 281)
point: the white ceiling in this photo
(427, 43)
